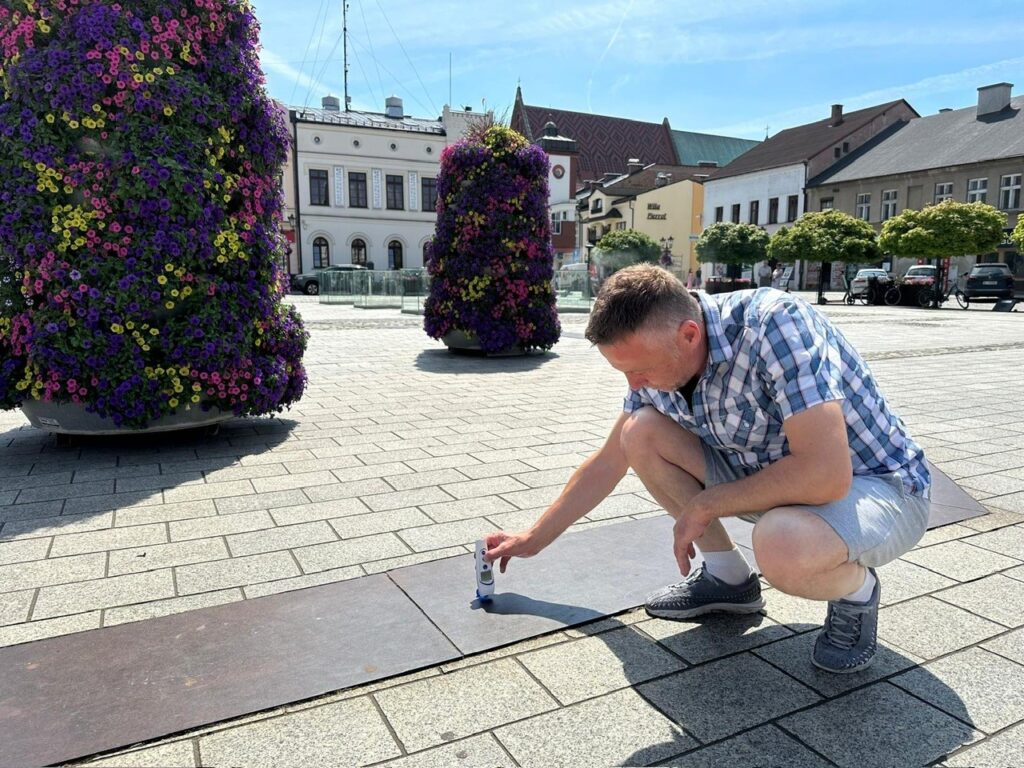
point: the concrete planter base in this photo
(72, 419)
(467, 343)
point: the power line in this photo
(319, 43)
(426, 108)
(415, 71)
(302, 64)
(369, 42)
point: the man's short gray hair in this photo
(640, 296)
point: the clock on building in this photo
(558, 171)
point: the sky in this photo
(742, 68)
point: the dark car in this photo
(989, 281)
(309, 282)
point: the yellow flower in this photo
(162, 280)
(173, 402)
(169, 304)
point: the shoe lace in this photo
(842, 626)
(695, 575)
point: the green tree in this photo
(1018, 234)
(826, 236)
(623, 247)
(733, 244)
(939, 231)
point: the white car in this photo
(859, 284)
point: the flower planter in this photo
(73, 419)
(467, 343)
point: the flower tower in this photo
(140, 212)
(490, 261)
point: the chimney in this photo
(331, 104)
(662, 179)
(633, 165)
(944, 110)
(993, 98)
(707, 164)
(837, 115)
(393, 107)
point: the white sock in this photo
(863, 594)
(729, 566)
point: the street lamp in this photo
(666, 251)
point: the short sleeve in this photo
(635, 400)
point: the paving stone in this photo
(151, 610)
(61, 570)
(290, 482)
(987, 687)
(111, 502)
(30, 511)
(102, 593)
(1006, 541)
(18, 483)
(618, 729)
(1003, 750)
(585, 668)
(155, 557)
(535, 497)
(714, 636)
(411, 498)
(445, 534)
(424, 479)
(158, 482)
(451, 511)
(109, 539)
(347, 490)
(238, 472)
(282, 537)
(14, 606)
(959, 560)
(554, 461)
(928, 627)
(336, 554)
(480, 471)
(209, 491)
(351, 474)
(1010, 645)
(176, 753)
(901, 581)
(447, 461)
(235, 572)
(1014, 502)
(50, 492)
(764, 746)
(795, 613)
(38, 630)
(220, 525)
(49, 526)
(260, 501)
(345, 733)
(516, 520)
(320, 510)
(993, 520)
(739, 702)
(164, 513)
(898, 724)
(430, 712)
(22, 550)
(301, 582)
(622, 505)
(403, 561)
(489, 486)
(475, 752)
(944, 533)
(354, 526)
(996, 598)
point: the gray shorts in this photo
(877, 520)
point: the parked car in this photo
(922, 274)
(989, 281)
(570, 277)
(309, 282)
(859, 284)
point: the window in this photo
(864, 206)
(395, 193)
(1009, 192)
(889, 198)
(977, 190)
(620, 225)
(357, 190)
(556, 223)
(318, 187)
(321, 253)
(827, 204)
(719, 214)
(358, 251)
(773, 210)
(792, 206)
(395, 253)
(846, 147)
(426, 248)
(597, 206)
(755, 211)
(943, 191)
(736, 213)
(428, 194)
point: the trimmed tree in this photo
(623, 247)
(490, 260)
(950, 228)
(726, 242)
(826, 236)
(1017, 236)
(139, 242)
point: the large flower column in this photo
(490, 261)
(140, 212)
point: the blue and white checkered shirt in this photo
(770, 356)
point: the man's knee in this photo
(640, 433)
(793, 546)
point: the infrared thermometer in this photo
(484, 573)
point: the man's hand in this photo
(689, 527)
(504, 546)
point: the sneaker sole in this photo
(689, 613)
(847, 671)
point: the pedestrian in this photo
(689, 279)
(697, 283)
(750, 404)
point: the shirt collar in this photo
(719, 349)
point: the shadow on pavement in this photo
(446, 361)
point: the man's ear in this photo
(688, 334)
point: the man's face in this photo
(663, 359)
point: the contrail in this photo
(611, 42)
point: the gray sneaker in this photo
(702, 593)
(848, 640)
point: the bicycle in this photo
(926, 294)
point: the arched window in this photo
(395, 255)
(426, 252)
(321, 253)
(358, 251)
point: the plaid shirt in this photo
(771, 356)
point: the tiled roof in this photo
(369, 120)
(693, 148)
(605, 143)
(645, 180)
(800, 144)
(958, 137)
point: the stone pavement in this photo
(402, 453)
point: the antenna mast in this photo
(344, 39)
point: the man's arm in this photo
(588, 486)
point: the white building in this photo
(361, 187)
